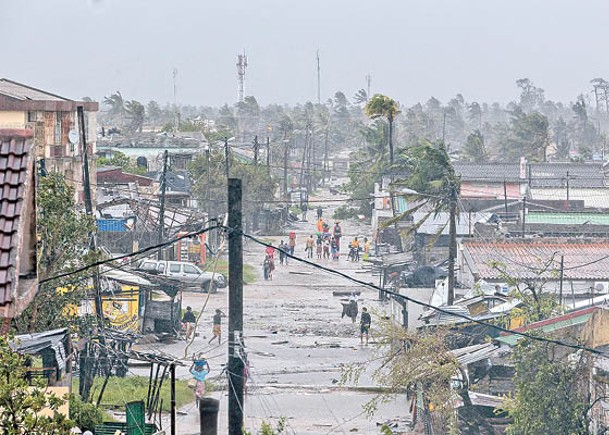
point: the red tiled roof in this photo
(525, 258)
(14, 160)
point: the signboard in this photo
(121, 309)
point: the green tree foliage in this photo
(528, 136)
(258, 186)
(381, 106)
(549, 397)
(474, 149)
(136, 113)
(64, 238)
(85, 415)
(123, 161)
(20, 403)
(431, 175)
(419, 363)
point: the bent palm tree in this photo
(435, 187)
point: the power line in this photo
(424, 304)
(149, 249)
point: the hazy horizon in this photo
(412, 49)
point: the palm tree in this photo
(360, 97)
(137, 114)
(433, 184)
(116, 103)
(381, 106)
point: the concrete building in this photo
(54, 124)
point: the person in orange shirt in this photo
(320, 225)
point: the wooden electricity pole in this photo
(235, 307)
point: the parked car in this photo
(187, 273)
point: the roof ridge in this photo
(34, 89)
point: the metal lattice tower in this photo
(241, 67)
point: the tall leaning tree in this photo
(381, 106)
(433, 184)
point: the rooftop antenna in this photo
(175, 97)
(241, 66)
(318, 80)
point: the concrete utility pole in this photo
(86, 375)
(268, 155)
(172, 370)
(227, 157)
(452, 245)
(162, 204)
(235, 307)
(524, 214)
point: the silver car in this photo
(187, 273)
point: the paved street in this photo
(296, 343)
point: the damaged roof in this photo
(584, 259)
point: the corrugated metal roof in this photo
(488, 171)
(547, 328)
(22, 92)
(573, 218)
(13, 175)
(592, 197)
(525, 258)
(555, 174)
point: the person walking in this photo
(282, 250)
(304, 208)
(337, 233)
(326, 248)
(189, 321)
(320, 212)
(320, 225)
(364, 325)
(309, 246)
(354, 250)
(217, 327)
(292, 242)
(318, 243)
(199, 370)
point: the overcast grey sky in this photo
(412, 49)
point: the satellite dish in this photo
(73, 136)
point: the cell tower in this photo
(241, 67)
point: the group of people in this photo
(189, 323)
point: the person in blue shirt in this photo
(199, 370)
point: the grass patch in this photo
(249, 272)
(119, 391)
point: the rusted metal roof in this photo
(526, 258)
(14, 163)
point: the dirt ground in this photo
(297, 344)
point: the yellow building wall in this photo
(10, 119)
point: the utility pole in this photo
(304, 159)
(86, 375)
(568, 190)
(256, 147)
(524, 213)
(562, 275)
(318, 80)
(235, 307)
(162, 205)
(452, 246)
(268, 155)
(505, 197)
(286, 150)
(227, 157)
(172, 370)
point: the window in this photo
(174, 268)
(148, 266)
(162, 268)
(190, 269)
(31, 116)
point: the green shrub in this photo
(84, 414)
